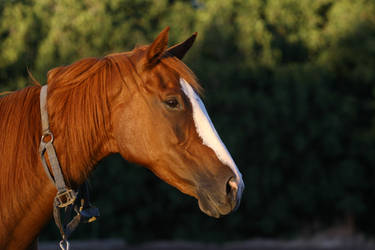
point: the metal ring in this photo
(67, 245)
(46, 135)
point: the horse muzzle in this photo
(216, 203)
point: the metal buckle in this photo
(65, 198)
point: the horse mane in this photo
(20, 134)
(79, 115)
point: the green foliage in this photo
(289, 85)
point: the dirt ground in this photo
(355, 243)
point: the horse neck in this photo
(25, 190)
(80, 122)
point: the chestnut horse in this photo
(143, 104)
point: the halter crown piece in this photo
(66, 198)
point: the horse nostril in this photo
(231, 186)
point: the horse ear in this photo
(179, 50)
(158, 47)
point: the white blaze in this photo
(207, 132)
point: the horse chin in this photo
(210, 211)
(212, 208)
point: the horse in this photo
(143, 104)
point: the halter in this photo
(66, 198)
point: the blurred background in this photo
(290, 88)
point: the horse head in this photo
(159, 121)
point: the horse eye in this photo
(172, 103)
